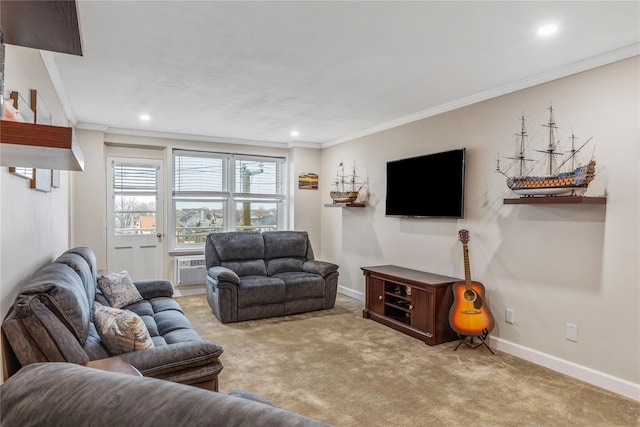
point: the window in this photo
(135, 195)
(215, 192)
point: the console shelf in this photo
(410, 301)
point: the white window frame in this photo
(228, 196)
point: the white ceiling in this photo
(331, 70)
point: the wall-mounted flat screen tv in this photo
(427, 186)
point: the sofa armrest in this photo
(322, 268)
(222, 274)
(157, 361)
(154, 288)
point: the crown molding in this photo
(92, 126)
(199, 138)
(570, 69)
(188, 137)
(302, 144)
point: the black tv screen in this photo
(427, 186)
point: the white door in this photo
(135, 222)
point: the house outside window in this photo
(215, 192)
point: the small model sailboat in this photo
(346, 187)
(553, 182)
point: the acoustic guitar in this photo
(469, 316)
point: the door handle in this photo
(159, 236)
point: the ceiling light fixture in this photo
(145, 117)
(294, 133)
(547, 30)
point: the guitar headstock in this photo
(463, 236)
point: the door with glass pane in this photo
(134, 217)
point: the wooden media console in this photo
(412, 302)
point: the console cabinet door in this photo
(375, 294)
(420, 308)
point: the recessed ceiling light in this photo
(294, 133)
(547, 30)
(145, 117)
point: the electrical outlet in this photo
(572, 332)
(508, 316)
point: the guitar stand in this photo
(468, 341)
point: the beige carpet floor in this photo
(340, 368)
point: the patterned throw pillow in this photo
(118, 289)
(121, 331)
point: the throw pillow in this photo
(118, 289)
(121, 331)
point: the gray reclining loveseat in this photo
(52, 320)
(254, 275)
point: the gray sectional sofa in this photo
(63, 394)
(52, 320)
(254, 275)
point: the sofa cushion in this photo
(283, 265)
(256, 290)
(60, 289)
(254, 267)
(118, 289)
(122, 331)
(89, 257)
(238, 245)
(94, 347)
(171, 320)
(301, 285)
(285, 244)
(82, 269)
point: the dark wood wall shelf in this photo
(42, 24)
(344, 205)
(39, 146)
(556, 200)
(410, 301)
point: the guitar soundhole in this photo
(469, 295)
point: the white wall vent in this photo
(190, 270)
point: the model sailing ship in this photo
(554, 182)
(346, 187)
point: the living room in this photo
(551, 265)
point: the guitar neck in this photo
(467, 266)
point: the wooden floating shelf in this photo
(344, 205)
(39, 146)
(556, 200)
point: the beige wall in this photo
(305, 210)
(88, 197)
(551, 265)
(34, 226)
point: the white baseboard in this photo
(588, 375)
(351, 293)
(189, 290)
(583, 373)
